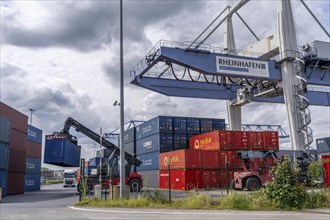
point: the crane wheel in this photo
(253, 184)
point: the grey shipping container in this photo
(157, 142)
(61, 152)
(3, 181)
(34, 134)
(4, 129)
(150, 178)
(32, 165)
(16, 162)
(129, 135)
(150, 161)
(4, 155)
(323, 145)
(160, 124)
(18, 120)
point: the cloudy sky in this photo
(61, 58)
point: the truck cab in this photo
(69, 178)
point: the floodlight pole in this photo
(122, 152)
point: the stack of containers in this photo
(152, 138)
(17, 149)
(33, 159)
(326, 170)
(4, 152)
(185, 170)
(226, 144)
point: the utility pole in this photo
(122, 152)
(31, 113)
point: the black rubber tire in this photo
(135, 185)
(253, 184)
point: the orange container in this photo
(215, 140)
(181, 159)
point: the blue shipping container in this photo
(160, 124)
(157, 142)
(218, 124)
(130, 148)
(33, 165)
(4, 155)
(129, 135)
(206, 125)
(323, 145)
(61, 152)
(179, 125)
(31, 182)
(193, 125)
(5, 127)
(180, 142)
(34, 134)
(3, 181)
(150, 161)
(96, 161)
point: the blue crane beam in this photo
(189, 89)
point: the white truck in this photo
(70, 178)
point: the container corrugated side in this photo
(5, 127)
(130, 148)
(32, 165)
(104, 153)
(61, 152)
(34, 134)
(15, 183)
(210, 159)
(157, 142)
(33, 149)
(17, 141)
(181, 159)
(210, 179)
(31, 182)
(3, 181)
(323, 145)
(242, 140)
(180, 141)
(150, 161)
(160, 124)
(16, 162)
(179, 125)
(150, 178)
(18, 120)
(218, 124)
(193, 125)
(4, 155)
(181, 179)
(206, 125)
(206, 141)
(129, 135)
(271, 140)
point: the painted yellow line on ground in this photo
(180, 212)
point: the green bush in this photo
(285, 190)
(318, 200)
(195, 201)
(314, 172)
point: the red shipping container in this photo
(181, 159)
(181, 179)
(233, 161)
(222, 177)
(33, 149)
(210, 159)
(15, 183)
(256, 140)
(215, 140)
(210, 179)
(19, 121)
(326, 170)
(17, 141)
(242, 140)
(16, 162)
(271, 140)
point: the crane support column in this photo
(234, 112)
(288, 52)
